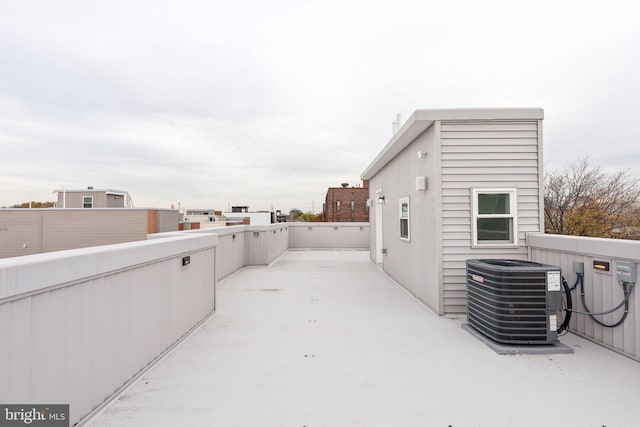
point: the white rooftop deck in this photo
(323, 338)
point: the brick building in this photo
(347, 204)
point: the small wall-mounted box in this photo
(626, 271)
(421, 183)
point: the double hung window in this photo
(494, 217)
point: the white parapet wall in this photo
(76, 326)
(242, 245)
(602, 290)
(329, 235)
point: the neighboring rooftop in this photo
(90, 189)
(93, 198)
(324, 338)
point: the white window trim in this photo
(87, 197)
(513, 208)
(400, 203)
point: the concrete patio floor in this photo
(323, 338)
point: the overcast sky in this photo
(261, 103)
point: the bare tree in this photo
(583, 200)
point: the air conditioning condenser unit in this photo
(514, 301)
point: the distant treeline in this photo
(35, 205)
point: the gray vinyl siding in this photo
(114, 200)
(166, 220)
(31, 231)
(20, 232)
(69, 229)
(74, 199)
(484, 154)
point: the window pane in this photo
(404, 228)
(404, 210)
(493, 204)
(495, 229)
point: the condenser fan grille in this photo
(508, 301)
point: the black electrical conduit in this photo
(626, 287)
(569, 309)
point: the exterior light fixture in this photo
(422, 154)
(381, 200)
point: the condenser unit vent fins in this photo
(513, 301)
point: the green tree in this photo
(310, 217)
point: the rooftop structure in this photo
(242, 215)
(451, 185)
(206, 218)
(34, 231)
(93, 198)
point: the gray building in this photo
(450, 185)
(91, 198)
(34, 231)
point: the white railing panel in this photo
(602, 290)
(329, 235)
(78, 325)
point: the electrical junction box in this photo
(626, 271)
